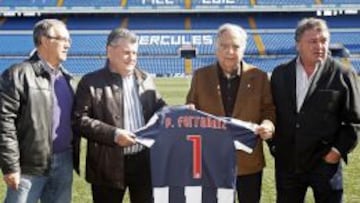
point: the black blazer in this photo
(329, 117)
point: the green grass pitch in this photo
(174, 91)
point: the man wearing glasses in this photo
(36, 140)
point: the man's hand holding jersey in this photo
(124, 138)
(265, 130)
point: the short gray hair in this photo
(43, 27)
(234, 28)
(121, 33)
(309, 24)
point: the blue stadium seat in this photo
(283, 20)
(92, 3)
(157, 4)
(80, 66)
(276, 21)
(356, 64)
(218, 4)
(76, 66)
(161, 36)
(16, 45)
(88, 44)
(213, 21)
(164, 43)
(156, 22)
(285, 2)
(177, 21)
(21, 23)
(162, 65)
(28, 3)
(268, 64)
(341, 2)
(349, 39)
(107, 22)
(5, 63)
(343, 21)
(202, 61)
(279, 43)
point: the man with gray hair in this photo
(111, 103)
(317, 104)
(232, 88)
(37, 148)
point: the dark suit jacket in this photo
(253, 103)
(99, 112)
(329, 116)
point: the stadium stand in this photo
(155, 4)
(178, 21)
(163, 3)
(165, 65)
(349, 39)
(15, 45)
(98, 22)
(169, 24)
(81, 65)
(157, 22)
(102, 3)
(284, 2)
(267, 64)
(6, 62)
(356, 64)
(28, 3)
(340, 2)
(279, 43)
(203, 21)
(21, 23)
(200, 3)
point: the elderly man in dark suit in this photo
(231, 87)
(318, 118)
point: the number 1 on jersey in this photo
(197, 156)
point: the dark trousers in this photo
(249, 188)
(325, 181)
(137, 180)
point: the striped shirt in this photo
(133, 114)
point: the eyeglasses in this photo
(227, 47)
(58, 38)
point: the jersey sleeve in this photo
(147, 134)
(243, 134)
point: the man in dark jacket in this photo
(110, 104)
(317, 115)
(36, 139)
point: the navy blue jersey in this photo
(193, 154)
